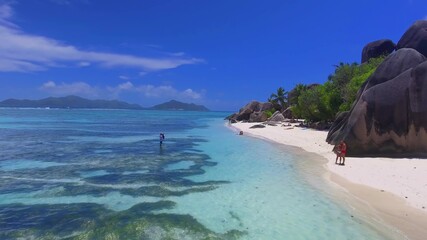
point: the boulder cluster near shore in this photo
(389, 116)
(252, 112)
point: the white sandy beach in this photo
(396, 188)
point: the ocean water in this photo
(102, 174)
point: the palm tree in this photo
(279, 98)
(295, 93)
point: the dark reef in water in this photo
(91, 159)
(92, 221)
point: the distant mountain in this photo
(78, 102)
(69, 102)
(175, 105)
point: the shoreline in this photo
(394, 190)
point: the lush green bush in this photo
(352, 89)
(270, 112)
(315, 104)
(337, 94)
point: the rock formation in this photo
(252, 112)
(258, 126)
(277, 117)
(258, 117)
(377, 48)
(389, 116)
(402, 60)
(288, 113)
(415, 37)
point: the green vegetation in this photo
(279, 99)
(317, 103)
(270, 112)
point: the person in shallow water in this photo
(162, 138)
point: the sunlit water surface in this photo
(97, 174)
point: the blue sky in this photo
(221, 53)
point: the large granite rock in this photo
(415, 37)
(396, 63)
(339, 123)
(258, 117)
(288, 113)
(377, 48)
(231, 116)
(257, 126)
(389, 118)
(277, 117)
(252, 112)
(266, 106)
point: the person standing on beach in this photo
(343, 149)
(337, 151)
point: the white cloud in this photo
(125, 86)
(167, 91)
(178, 54)
(11, 65)
(6, 11)
(191, 94)
(25, 52)
(84, 64)
(162, 92)
(141, 74)
(123, 77)
(69, 2)
(49, 84)
(151, 91)
(76, 88)
(61, 2)
(156, 46)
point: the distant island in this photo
(175, 105)
(82, 103)
(68, 102)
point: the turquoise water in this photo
(98, 174)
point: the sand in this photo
(396, 189)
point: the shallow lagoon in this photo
(80, 174)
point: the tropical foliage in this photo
(269, 112)
(279, 99)
(322, 102)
